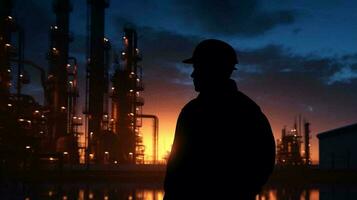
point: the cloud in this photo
(232, 17)
(344, 75)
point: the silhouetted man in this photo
(223, 147)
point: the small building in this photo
(338, 148)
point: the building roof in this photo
(339, 131)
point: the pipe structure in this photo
(39, 68)
(307, 142)
(155, 134)
(6, 23)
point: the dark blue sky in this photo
(295, 56)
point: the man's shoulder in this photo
(245, 101)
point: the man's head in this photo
(213, 63)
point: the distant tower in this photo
(6, 23)
(307, 142)
(57, 80)
(127, 103)
(96, 86)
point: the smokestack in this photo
(307, 142)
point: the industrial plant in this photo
(106, 131)
(289, 146)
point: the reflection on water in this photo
(149, 191)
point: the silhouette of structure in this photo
(337, 148)
(51, 132)
(289, 151)
(127, 103)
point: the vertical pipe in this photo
(307, 142)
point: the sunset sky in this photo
(296, 57)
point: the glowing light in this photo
(54, 49)
(21, 120)
(106, 40)
(90, 196)
(51, 159)
(74, 117)
(9, 104)
(80, 118)
(28, 147)
(106, 153)
(106, 197)
(68, 65)
(115, 162)
(131, 90)
(7, 44)
(138, 80)
(130, 153)
(64, 197)
(21, 75)
(124, 38)
(50, 193)
(9, 70)
(56, 27)
(123, 53)
(65, 153)
(29, 121)
(132, 73)
(9, 17)
(63, 108)
(113, 88)
(41, 132)
(91, 133)
(37, 111)
(42, 116)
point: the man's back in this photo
(223, 147)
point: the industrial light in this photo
(9, 104)
(123, 53)
(113, 88)
(106, 153)
(42, 116)
(29, 121)
(106, 197)
(36, 111)
(21, 120)
(64, 197)
(115, 162)
(124, 38)
(137, 80)
(63, 108)
(74, 117)
(9, 70)
(131, 90)
(9, 17)
(132, 73)
(21, 75)
(65, 153)
(130, 153)
(71, 82)
(80, 118)
(54, 49)
(28, 147)
(56, 27)
(106, 40)
(51, 158)
(7, 44)
(68, 65)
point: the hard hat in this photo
(213, 51)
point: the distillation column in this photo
(57, 80)
(127, 103)
(96, 86)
